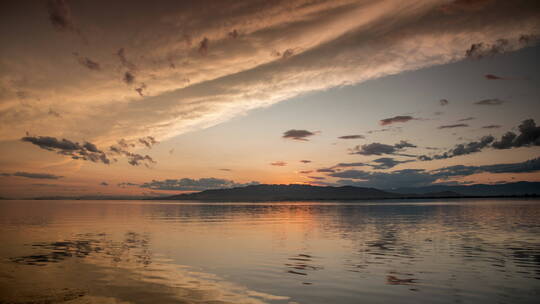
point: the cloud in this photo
(86, 151)
(89, 63)
(225, 169)
(357, 164)
(326, 170)
(444, 102)
(133, 159)
(140, 89)
(33, 175)
(387, 163)
(420, 177)
(188, 184)
(298, 134)
(491, 127)
(306, 172)
(380, 149)
(490, 102)
(531, 165)
(317, 177)
(129, 78)
(241, 75)
(462, 149)
(305, 161)
(103, 184)
(60, 16)
(148, 141)
(395, 119)
(493, 77)
(356, 136)
(278, 163)
(499, 46)
(467, 119)
(529, 135)
(453, 126)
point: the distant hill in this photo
(285, 192)
(307, 192)
(507, 189)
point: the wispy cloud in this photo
(33, 175)
(490, 102)
(395, 119)
(355, 136)
(461, 125)
(278, 163)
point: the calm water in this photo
(476, 251)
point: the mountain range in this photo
(307, 192)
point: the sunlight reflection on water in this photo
(481, 251)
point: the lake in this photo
(426, 251)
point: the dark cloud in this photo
(86, 151)
(134, 159)
(305, 161)
(278, 163)
(60, 16)
(462, 149)
(387, 163)
(317, 177)
(140, 89)
(491, 127)
(356, 136)
(443, 102)
(148, 141)
(129, 78)
(461, 125)
(493, 77)
(121, 53)
(326, 170)
(395, 119)
(420, 177)
(89, 63)
(306, 172)
(380, 149)
(490, 102)
(203, 46)
(482, 49)
(188, 184)
(32, 175)
(466, 119)
(531, 165)
(298, 134)
(529, 135)
(103, 184)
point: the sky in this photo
(153, 98)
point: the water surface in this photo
(455, 251)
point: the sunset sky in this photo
(160, 97)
